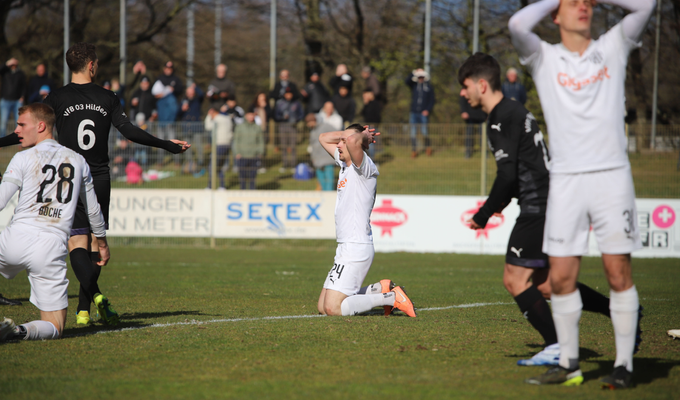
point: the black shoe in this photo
(8, 302)
(619, 379)
(638, 333)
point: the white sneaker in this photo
(7, 329)
(548, 356)
(674, 333)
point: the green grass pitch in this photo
(194, 325)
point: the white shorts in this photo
(352, 262)
(43, 256)
(604, 200)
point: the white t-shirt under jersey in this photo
(583, 100)
(356, 197)
(50, 179)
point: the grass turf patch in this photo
(195, 324)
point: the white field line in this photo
(214, 321)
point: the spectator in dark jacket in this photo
(422, 103)
(344, 104)
(142, 100)
(36, 83)
(473, 118)
(282, 85)
(371, 113)
(168, 88)
(512, 88)
(342, 78)
(314, 94)
(287, 113)
(371, 82)
(220, 88)
(11, 92)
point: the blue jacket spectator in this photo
(191, 104)
(513, 88)
(36, 83)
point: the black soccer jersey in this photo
(522, 161)
(85, 113)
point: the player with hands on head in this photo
(342, 293)
(581, 86)
(522, 162)
(84, 114)
(50, 179)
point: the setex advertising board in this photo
(274, 214)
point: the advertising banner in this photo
(399, 222)
(275, 214)
(160, 212)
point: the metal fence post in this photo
(213, 185)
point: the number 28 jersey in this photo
(51, 178)
(84, 114)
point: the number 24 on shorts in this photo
(337, 269)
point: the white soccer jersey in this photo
(583, 100)
(356, 196)
(50, 178)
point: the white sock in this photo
(354, 305)
(566, 314)
(375, 288)
(624, 311)
(40, 330)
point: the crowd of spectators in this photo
(244, 133)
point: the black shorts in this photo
(525, 247)
(81, 223)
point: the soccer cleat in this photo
(107, 313)
(548, 356)
(558, 375)
(8, 329)
(674, 333)
(402, 302)
(83, 318)
(638, 332)
(621, 378)
(8, 302)
(387, 285)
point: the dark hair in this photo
(40, 112)
(79, 55)
(481, 66)
(357, 127)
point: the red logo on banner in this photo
(387, 217)
(495, 221)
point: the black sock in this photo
(536, 310)
(83, 300)
(593, 300)
(87, 276)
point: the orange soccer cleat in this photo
(402, 302)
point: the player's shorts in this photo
(352, 262)
(43, 256)
(525, 247)
(604, 200)
(81, 223)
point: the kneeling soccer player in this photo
(50, 179)
(522, 161)
(342, 293)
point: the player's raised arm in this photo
(9, 140)
(137, 135)
(635, 22)
(330, 140)
(523, 22)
